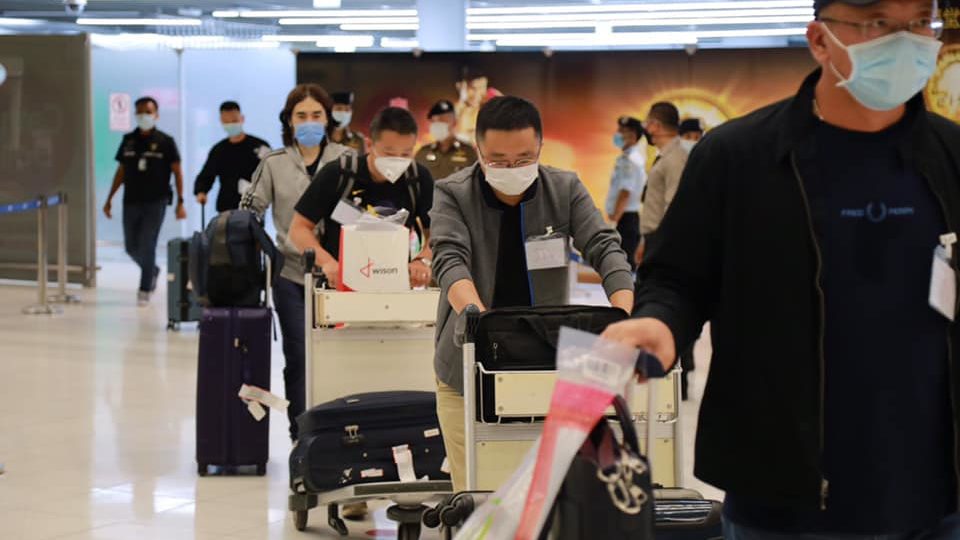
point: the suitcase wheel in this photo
(262, 469)
(202, 469)
(300, 519)
(173, 325)
(408, 531)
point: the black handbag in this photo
(607, 492)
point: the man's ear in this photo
(817, 42)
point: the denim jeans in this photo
(949, 529)
(288, 299)
(141, 228)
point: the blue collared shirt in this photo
(628, 175)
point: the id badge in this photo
(547, 251)
(943, 284)
(142, 164)
(346, 213)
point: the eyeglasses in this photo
(878, 28)
(511, 164)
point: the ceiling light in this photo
(719, 14)
(366, 27)
(282, 13)
(138, 22)
(399, 43)
(617, 8)
(311, 21)
(342, 48)
(617, 39)
(329, 4)
(357, 40)
(226, 13)
(9, 21)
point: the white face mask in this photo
(392, 167)
(343, 117)
(146, 122)
(512, 182)
(687, 145)
(440, 131)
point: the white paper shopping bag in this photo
(374, 258)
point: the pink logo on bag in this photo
(367, 271)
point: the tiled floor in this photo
(97, 429)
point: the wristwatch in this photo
(426, 262)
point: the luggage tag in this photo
(551, 250)
(253, 394)
(346, 213)
(943, 278)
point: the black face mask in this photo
(646, 135)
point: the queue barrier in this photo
(41, 205)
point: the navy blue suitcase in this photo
(688, 519)
(350, 441)
(234, 350)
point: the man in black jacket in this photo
(233, 160)
(805, 234)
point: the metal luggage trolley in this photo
(368, 342)
(496, 447)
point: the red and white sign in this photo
(374, 258)
(121, 112)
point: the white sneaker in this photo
(143, 298)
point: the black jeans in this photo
(629, 229)
(141, 228)
(288, 299)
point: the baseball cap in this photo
(630, 122)
(342, 98)
(820, 4)
(441, 107)
(691, 125)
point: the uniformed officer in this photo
(447, 154)
(147, 156)
(342, 115)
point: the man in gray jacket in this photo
(491, 226)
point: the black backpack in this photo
(227, 265)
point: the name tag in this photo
(548, 253)
(345, 213)
(142, 164)
(943, 284)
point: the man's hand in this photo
(649, 335)
(181, 211)
(108, 210)
(420, 274)
(331, 270)
(202, 198)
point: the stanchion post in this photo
(62, 279)
(42, 307)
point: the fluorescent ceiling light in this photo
(640, 22)
(731, 13)
(10, 21)
(399, 43)
(356, 40)
(628, 38)
(342, 48)
(365, 27)
(618, 8)
(148, 40)
(282, 13)
(311, 21)
(329, 4)
(226, 13)
(138, 22)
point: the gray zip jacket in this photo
(464, 231)
(280, 181)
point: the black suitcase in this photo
(525, 339)
(182, 303)
(234, 350)
(350, 441)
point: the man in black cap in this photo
(691, 129)
(447, 154)
(818, 237)
(342, 115)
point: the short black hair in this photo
(229, 106)
(393, 119)
(631, 123)
(144, 100)
(508, 113)
(667, 114)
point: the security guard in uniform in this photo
(343, 114)
(447, 154)
(147, 157)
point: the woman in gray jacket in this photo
(279, 182)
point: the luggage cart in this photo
(368, 342)
(495, 449)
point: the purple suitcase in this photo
(234, 350)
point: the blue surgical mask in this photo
(146, 122)
(618, 140)
(233, 129)
(888, 71)
(310, 134)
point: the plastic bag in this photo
(591, 371)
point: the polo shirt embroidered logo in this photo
(877, 212)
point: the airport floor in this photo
(97, 428)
